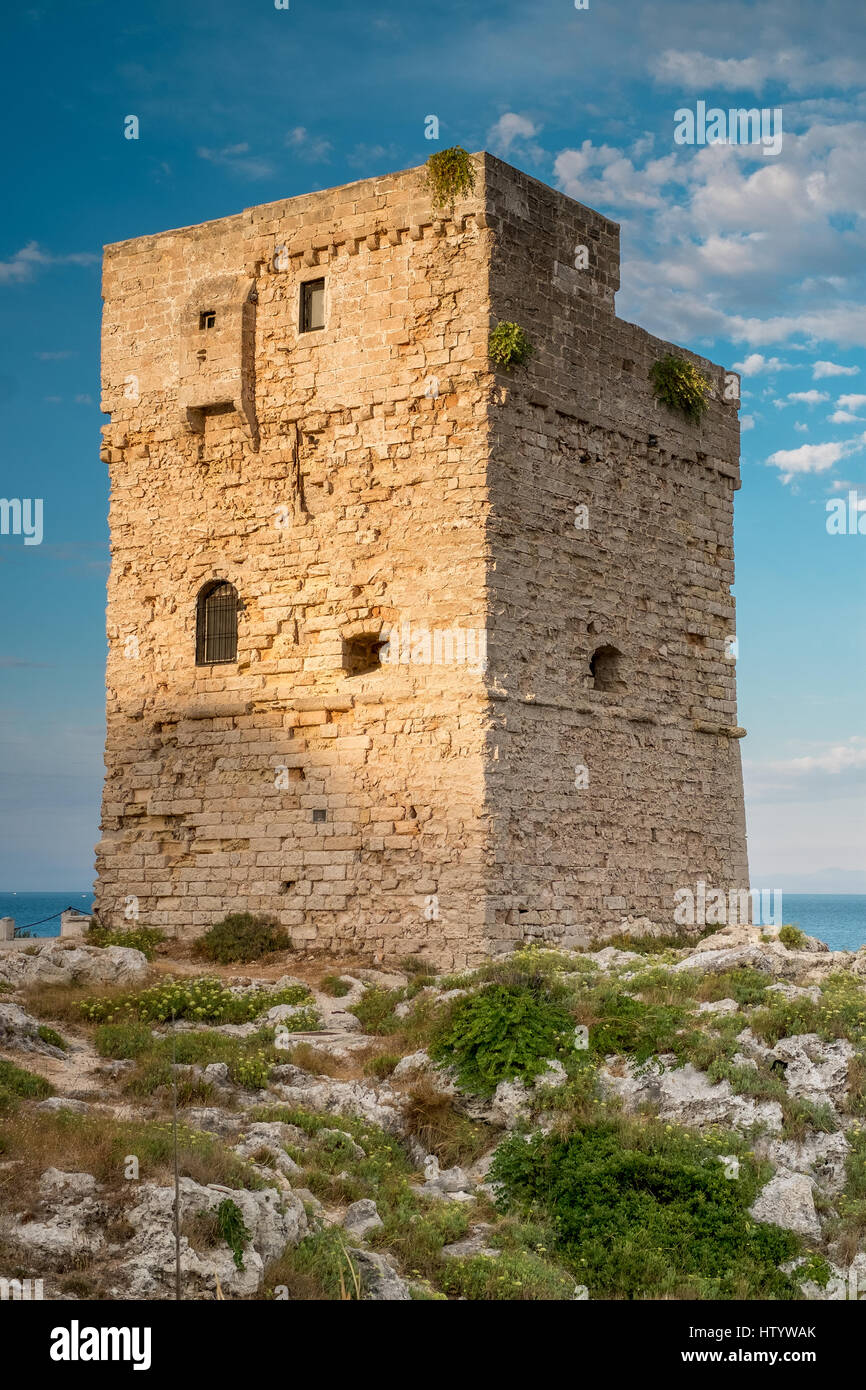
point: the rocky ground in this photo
(718, 1087)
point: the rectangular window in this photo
(312, 305)
(207, 319)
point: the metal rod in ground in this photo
(176, 1172)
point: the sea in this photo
(837, 918)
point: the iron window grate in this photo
(217, 624)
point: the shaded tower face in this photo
(357, 641)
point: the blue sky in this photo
(755, 260)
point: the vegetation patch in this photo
(203, 1000)
(144, 939)
(840, 1013)
(123, 1041)
(450, 175)
(646, 1211)
(792, 937)
(512, 1276)
(508, 346)
(100, 1144)
(249, 1060)
(382, 1065)
(241, 936)
(318, 1268)
(334, 985)
(681, 386)
(51, 1036)
(441, 1129)
(230, 1221)
(17, 1084)
(500, 1032)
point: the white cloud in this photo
(843, 417)
(513, 129)
(312, 148)
(794, 68)
(24, 264)
(809, 458)
(835, 759)
(695, 71)
(747, 422)
(808, 397)
(800, 427)
(851, 402)
(821, 369)
(238, 160)
(756, 363)
(719, 241)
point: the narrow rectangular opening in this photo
(312, 305)
(207, 319)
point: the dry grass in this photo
(100, 1144)
(202, 1230)
(317, 1061)
(439, 1128)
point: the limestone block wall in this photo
(374, 479)
(604, 801)
(337, 478)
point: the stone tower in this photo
(410, 653)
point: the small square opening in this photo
(319, 815)
(362, 654)
(312, 305)
(207, 319)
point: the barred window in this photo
(216, 628)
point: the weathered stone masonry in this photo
(375, 473)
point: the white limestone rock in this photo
(788, 1201)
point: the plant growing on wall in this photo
(680, 386)
(450, 175)
(508, 346)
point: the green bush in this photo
(17, 1084)
(51, 1036)
(646, 1211)
(144, 939)
(511, 1277)
(508, 346)
(375, 1010)
(792, 937)
(502, 1032)
(230, 1221)
(123, 1041)
(680, 385)
(241, 937)
(381, 1066)
(450, 175)
(335, 986)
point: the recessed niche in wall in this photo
(606, 669)
(362, 654)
